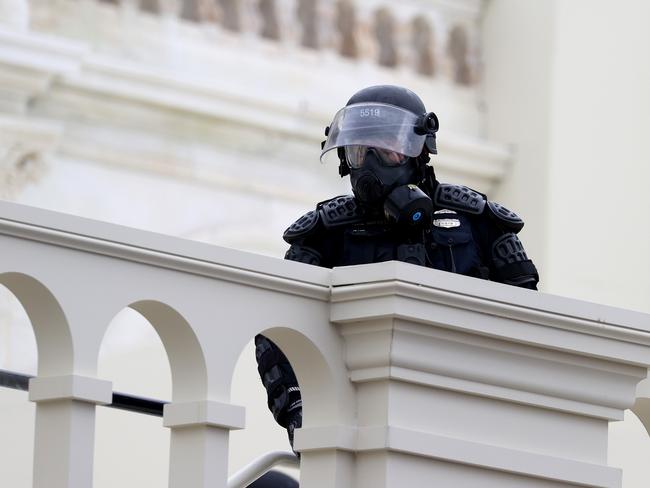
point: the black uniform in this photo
(468, 235)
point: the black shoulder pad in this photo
(339, 211)
(301, 227)
(458, 197)
(506, 218)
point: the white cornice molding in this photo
(41, 52)
(382, 279)
(536, 312)
(125, 85)
(167, 86)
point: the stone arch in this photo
(35, 307)
(133, 357)
(629, 445)
(182, 347)
(316, 379)
(50, 325)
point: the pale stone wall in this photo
(571, 97)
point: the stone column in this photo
(64, 437)
(464, 382)
(199, 442)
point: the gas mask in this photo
(379, 145)
(381, 180)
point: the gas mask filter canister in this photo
(408, 205)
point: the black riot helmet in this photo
(387, 117)
(382, 139)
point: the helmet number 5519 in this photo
(369, 112)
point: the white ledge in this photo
(396, 279)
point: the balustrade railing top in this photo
(407, 374)
(434, 39)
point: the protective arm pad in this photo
(303, 254)
(279, 380)
(277, 375)
(511, 264)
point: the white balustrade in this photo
(408, 374)
(377, 31)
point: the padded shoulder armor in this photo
(506, 218)
(301, 227)
(338, 211)
(460, 198)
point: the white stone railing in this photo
(430, 39)
(408, 374)
(435, 39)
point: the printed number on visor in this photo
(355, 155)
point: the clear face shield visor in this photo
(388, 130)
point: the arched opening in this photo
(147, 348)
(262, 433)
(29, 314)
(130, 445)
(629, 449)
(320, 398)
(17, 354)
(53, 339)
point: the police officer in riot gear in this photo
(382, 138)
